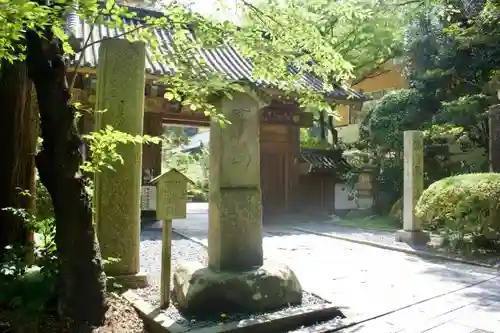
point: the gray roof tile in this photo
(225, 60)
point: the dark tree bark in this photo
(322, 125)
(18, 145)
(82, 277)
(335, 134)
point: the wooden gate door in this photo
(273, 170)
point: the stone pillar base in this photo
(135, 281)
(200, 290)
(413, 237)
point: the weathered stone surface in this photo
(139, 280)
(235, 213)
(413, 187)
(413, 178)
(494, 142)
(198, 289)
(120, 91)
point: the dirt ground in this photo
(120, 318)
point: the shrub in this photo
(465, 207)
(397, 211)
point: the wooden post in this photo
(171, 201)
(166, 258)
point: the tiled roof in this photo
(225, 60)
(323, 159)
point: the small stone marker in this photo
(413, 187)
(171, 202)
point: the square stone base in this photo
(413, 237)
(135, 281)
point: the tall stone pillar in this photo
(120, 91)
(235, 210)
(236, 278)
(494, 164)
(413, 187)
(494, 142)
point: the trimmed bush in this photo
(466, 207)
(397, 211)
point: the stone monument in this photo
(236, 278)
(494, 142)
(494, 164)
(412, 232)
(120, 91)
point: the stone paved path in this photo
(386, 238)
(391, 291)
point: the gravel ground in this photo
(327, 326)
(183, 249)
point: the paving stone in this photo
(407, 317)
(476, 318)
(372, 326)
(446, 304)
(449, 317)
(367, 281)
(450, 328)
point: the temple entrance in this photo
(273, 183)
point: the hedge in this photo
(466, 206)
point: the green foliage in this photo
(469, 214)
(396, 212)
(395, 113)
(104, 147)
(364, 33)
(199, 191)
(193, 164)
(44, 208)
(313, 142)
(453, 53)
(15, 16)
(457, 127)
(27, 289)
(450, 68)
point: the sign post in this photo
(171, 202)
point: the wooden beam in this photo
(197, 120)
(278, 113)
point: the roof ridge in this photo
(225, 62)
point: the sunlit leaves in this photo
(103, 146)
(346, 39)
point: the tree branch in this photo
(376, 71)
(85, 45)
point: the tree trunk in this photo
(335, 134)
(82, 278)
(18, 145)
(322, 125)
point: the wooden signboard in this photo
(148, 198)
(171, 195)
(286, 117)
(171, 202)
